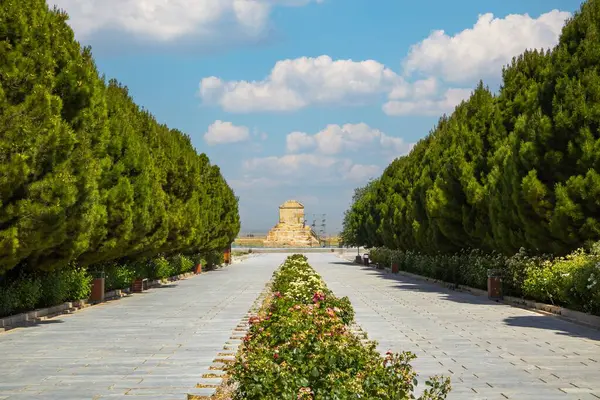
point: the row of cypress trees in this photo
(86, 175)
(515, 169)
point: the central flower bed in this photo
(300, 346)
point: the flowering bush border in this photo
(572, 281)
(299, 346)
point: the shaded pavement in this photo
(489, 350)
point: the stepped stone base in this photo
(291, 235)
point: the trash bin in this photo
(494, 284)
(358, 259)
(366, 259)
(395, 268)
(198, 268)
(227, 256)
(98, 281)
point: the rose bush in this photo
(300, 347)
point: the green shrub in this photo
(118, 276)
(28, 291)
(161, 268)
(22, 294)
(571, 281)
(181, 264)
(197, 259)
(213, 259)
(9, 300)
(55, 289)
(79, 283)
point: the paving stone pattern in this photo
(489, 350)
(162, 343)
(153, 345)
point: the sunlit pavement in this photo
(156, 345)
(489, 350)
(153, 345)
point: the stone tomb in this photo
(291, 229)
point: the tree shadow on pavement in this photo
(554, 323)
(539, 321)
(165, 286)
(408, 283)
(33, 324)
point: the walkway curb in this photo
(577, 317)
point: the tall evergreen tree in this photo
(520, 169)
(85, 174)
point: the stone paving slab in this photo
(489, 350)
(153, 345)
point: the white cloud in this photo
(220, 132)
(289, 163)
(349, 137)
(481, 51)
(362, 173)
(297, 141)
(432, 107)
(295, 84)
(420, 89)
(320, 160)
(167, 20)
(250, 182)
(423, 89)
(395, 146)
(301, 169)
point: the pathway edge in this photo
(577, 317)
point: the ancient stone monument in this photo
(291, 229)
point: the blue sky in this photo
(307, 99)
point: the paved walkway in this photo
(154, 345)
(490, 350)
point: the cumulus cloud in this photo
(289, 163)
(436, 106)
(301, 169)
(167, 20)
(362, 173)
(317, 158)
(482, 50)
(249, 182)
(297, 141)
(295, 84)
(220, 132)
(349, 137)
(423, 88)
